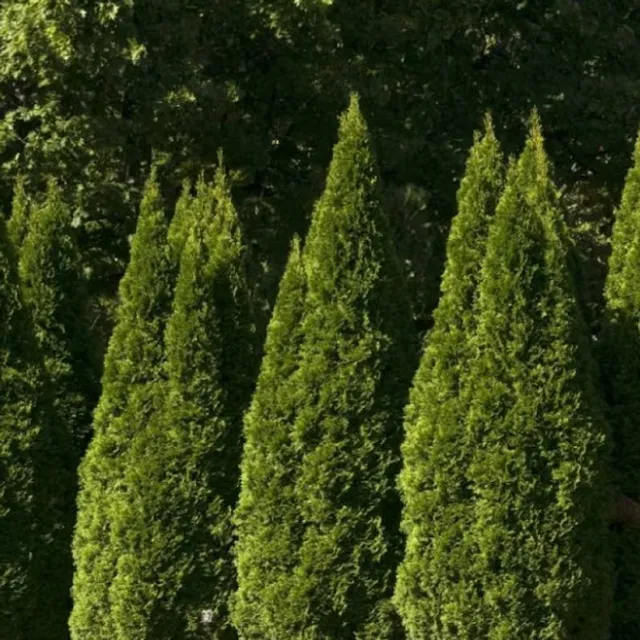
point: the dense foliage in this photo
(435, 450)
(535, 545)
(621, 369)
(131, 396)
(183, 473)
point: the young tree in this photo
(434, 456)
(52, 285)
(620, 356)
(177, 572)
(21, 206)
(267, 520)
(355, 362)
(131, 396)
(536, 544)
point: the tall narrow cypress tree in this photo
(52, 284)
(434, 455)
(536, 547)
(21, 432)
(267, 520)
(620, 356)
(21, 206)
(131, 395)
(355, 363)
(177, 572)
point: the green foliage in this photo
(434, 453)
(131, 395)
(620, 355)
(183, 472)
(53, 284)
(18, 224)
(535, 543)
(266, 519)
(340, 512)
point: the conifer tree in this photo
(21, 206)
(52, 285)
(177, 570)
(182, 220)
(620, 357)
(266, 518)
(432, 479)
(536, 546)
(131, 395)
(355, 362)
(54, 289)
(20, 432)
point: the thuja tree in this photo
(177, 572)
(51, 281)
(130, 396)
(434, 452)
(21, 205)
(356, 360)
(267, 519)
(54, 289)
(621, 368)
(537, 544)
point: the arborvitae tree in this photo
(131, 395)
(182, 220)
(52, 285)
(536, 546)
(267, 521)
(355, 363)
(20, 433)
(620, 355)
(18, 225)
(54, 289)
(177, 573)
(434, 456)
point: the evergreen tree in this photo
(20, 432)
(355, 362)
(18, 224)
(267, 521)
(536, 546)
(131, 395)
(183, 475)
(54, 289)
(434, 456)
(52, 284)
(621, 367)
(182, 220)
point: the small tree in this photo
(432, 481)
(183, 477)
(620, 355)
(131, 396)
(535, 543)
(267, 519)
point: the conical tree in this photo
(355, 363)
(131, 395)
(21, 431)
(182, 221)
(21, 206)
(620, 356)
(434, 457)
(267, 520)
(536, 547)
(52, 284)
(177, 572)
(54, 289)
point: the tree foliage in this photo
(621, 371)
(183, 472)
(536, 541)
(131, 395)
(434, 451)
